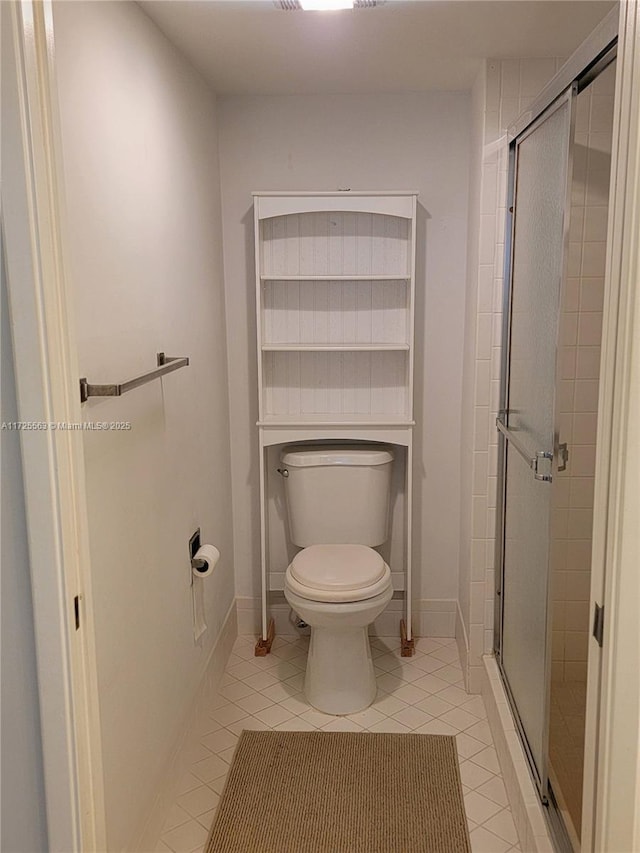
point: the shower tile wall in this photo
(510, 86)
(580, 333)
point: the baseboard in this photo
(434, 617)
(528, 813)
(151, 829)
(431, 617)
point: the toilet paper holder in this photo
(194, 547)
(202, 564)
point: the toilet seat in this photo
(338, 573)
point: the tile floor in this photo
(421, 694)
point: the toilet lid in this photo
(338, 567)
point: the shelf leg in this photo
(407, 647)
(263, 647)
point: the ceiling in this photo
(251, 47)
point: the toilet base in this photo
(340, 678)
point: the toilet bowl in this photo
(339, 590)
(338, 499)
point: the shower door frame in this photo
(579, 72)
(567, 97)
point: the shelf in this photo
(335, 350)
(331, 193)
(267, 278)
(345, 420)
(335, 347)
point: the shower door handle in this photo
(532, 460)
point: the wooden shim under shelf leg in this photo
(263, 647)
(407, 646)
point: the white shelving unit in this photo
(335, 291)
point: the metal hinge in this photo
(598, 623)
(563, 456)
(538, 458)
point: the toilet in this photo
(338, 508)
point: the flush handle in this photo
(284, 472)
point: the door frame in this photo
(41, 313)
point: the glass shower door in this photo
(538, 250)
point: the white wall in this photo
(139, 134)
(24, 823)
(409, 141)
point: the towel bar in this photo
(165, 365)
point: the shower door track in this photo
(583, 66)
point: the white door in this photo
(52, 462)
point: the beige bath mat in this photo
(341, 792)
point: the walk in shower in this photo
(560, 165)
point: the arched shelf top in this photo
(401, 203)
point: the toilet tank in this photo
(337, 494)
